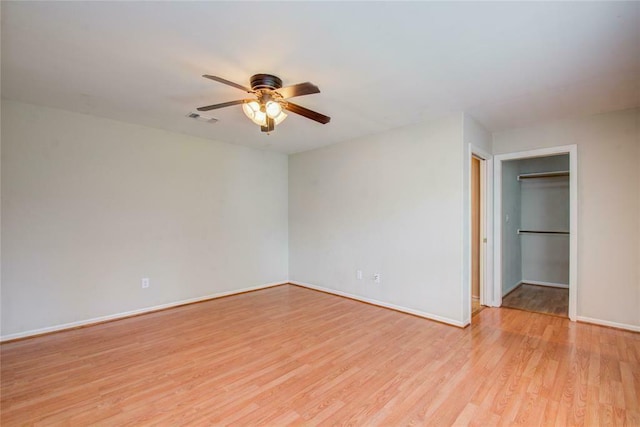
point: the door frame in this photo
(572, 151)
(486, 226)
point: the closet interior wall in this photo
(535, 204)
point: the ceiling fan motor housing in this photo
(265, 81)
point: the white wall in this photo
(391, 204)
(510, 216)
(608, 288)
(477, 135)
(90, 206)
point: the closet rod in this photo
(542, 232)
(542, 175)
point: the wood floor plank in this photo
(291, 356)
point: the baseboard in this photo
(549, 284)
(616, 325)
(117, 316)
(418, 313)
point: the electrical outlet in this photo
(377, 278)
(145, 282)
(359, 274)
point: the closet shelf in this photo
(542, 232)
(542, 175)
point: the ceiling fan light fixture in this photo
(258, 113)
(250, 108)
(252, 111)
(267, 110)
(260, 118)
(273, 109)
(279, 118)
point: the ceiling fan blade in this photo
(224, 104)
(300, 89)
(227, 82)
(305, 112)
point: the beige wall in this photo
(90, 206)
(390, 204)
(608, 207)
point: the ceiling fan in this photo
(271, 99)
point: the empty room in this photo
(320, 213)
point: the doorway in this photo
(479, 218)
(477, 236)
(535, 257)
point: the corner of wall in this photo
(476, 134)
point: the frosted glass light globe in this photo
(273, 109)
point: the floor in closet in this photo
(540, 299)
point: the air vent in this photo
(201, 118)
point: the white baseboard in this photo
(550, 284)
(383, 304)
(617, 325)
(116, 316)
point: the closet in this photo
(536, 234)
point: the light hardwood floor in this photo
(289, 355)
(476, 307)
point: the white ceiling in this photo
(379, 65)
